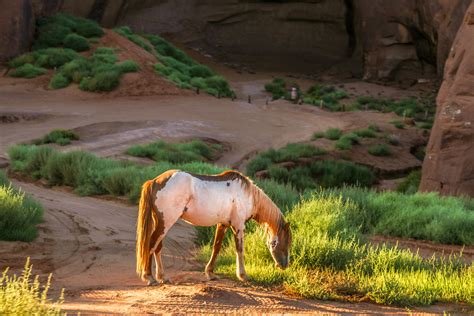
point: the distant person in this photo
(294, 95)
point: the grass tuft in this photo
(380, 150)
(28, 71)
(58, 136)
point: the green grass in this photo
(323, 174)
(76, 42)
(291, 152)
(380, 150)
(128, 66)
(126, 32)
(57, 30)
(25, 295)
(398, 124)
(330, 259)
(411, 183)
(328, 96)
(59, 81)
(346, 141)
(196, 150)
(333, 134)
(28, 71)
(366, 132)
(58, 136)
(19, 214)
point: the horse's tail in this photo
(146, 222)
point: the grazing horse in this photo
(228, 199)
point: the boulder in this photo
(448, 167)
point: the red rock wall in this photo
(449, 163)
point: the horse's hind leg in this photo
(219, 237)
(149, 276)
(160, 273)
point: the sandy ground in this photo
(88, 243)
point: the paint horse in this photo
(227, 200)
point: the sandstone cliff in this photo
(449, 164)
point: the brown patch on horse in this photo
(228, 175)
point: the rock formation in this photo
(449, 163)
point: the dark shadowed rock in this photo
(449, 163)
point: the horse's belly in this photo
(202, 214)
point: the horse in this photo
(228, 200)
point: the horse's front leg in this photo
(239, 247)
(219, 237)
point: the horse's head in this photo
(279, 246)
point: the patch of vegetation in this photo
(126, 32)
(327, 96)
(58, 136)
(280, 89)
(67, 30)
(366, 133)
(291, 152)
(128, 66)
(398, 124)
(19, 214)
(411, 183)
(333, 134)
(28, 71)
(195, 150)
(59, 81)
(48, 58)
(76, 42)
(346, 141)
(323, 174)
(24, 295)
(317, 135)
(185, 72)
(331, 260)
(380, 150)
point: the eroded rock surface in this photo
(449, 164)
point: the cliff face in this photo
(394, 40)
(449, 164)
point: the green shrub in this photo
(200, 71)
(19, 215)
(328, 96)
(175, 153)
(318, 135)
(366, 133)
(164, 70)
(380, 150)
(57, 136)
(28, 71)
(59, 81)
(126, 32)
(76, 42)
(128, 66)
(22, 295)
(333, 133)
(199, 83)
(277, 88)
(104, 51)
(331, 174)
(346, 141)
(101, 81)
(220, 84)
(411, 183)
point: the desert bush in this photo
(200, 71)
(380, 150)
(59, 81)
(366, 132)
(57, 136)
(328, 96)
(19, 214)
(126, 32)
(411, 183)
(22, 295)
(175, 153)
(317, 135)
(346, 141)
(277, 88)
(28, 71)
(76, 42)
(49, 58)
(333, 134)
(128, 66)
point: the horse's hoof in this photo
(165, 281)
(243, 277)
(211, 277)
(152, 283)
